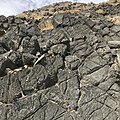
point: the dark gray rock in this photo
(5, 63)
(60, 49)
(115, 38)
(68, 83)
(2, 49)
(33, 30)
(4, 89)
(57, 20)
(16, 58)
(18, 21)
(2, 32)
(22, 30)
(11, 40)
(105, 31)
(10, 19)
(115, 28)
(90, 23)
(28, 59)
(5, 25)
(64, 19)
(72, 62)
(96, 28)
(114, 44)
(37, 83)
(67, 21)
(3, 18)
(70, 72)
(30, 45)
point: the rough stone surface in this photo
(70, 72)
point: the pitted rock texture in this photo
(70, 72)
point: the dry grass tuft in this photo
(100, 11)
(115, 19)
(46, 25)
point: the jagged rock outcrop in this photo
(68, 72)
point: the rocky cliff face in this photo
(66, 69)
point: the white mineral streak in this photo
(39, 59)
